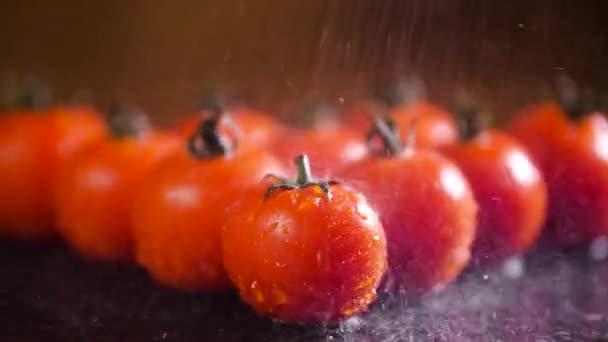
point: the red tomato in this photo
(180, 211)
(329, 147)
(432, 125)
(96, 192)
(255, 128)
(304, 251)
(574, 161)
(510, 190)
(427, 208)
(34, 147)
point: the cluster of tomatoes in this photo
(411, 191)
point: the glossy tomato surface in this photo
(509, 189)
(96, 193)
(301, 255)
(180, 211)
(428, 211)
(574, 162)
(34, 148)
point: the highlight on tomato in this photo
(304, 250)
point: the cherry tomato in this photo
(432, 125)
(574, 161)
(426, 206)
(34, 146)
(304, 251)
(96, 192)
(254, 127)
(508, 187)
(180, 210)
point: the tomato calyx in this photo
(126, 121)
(387, 130)
(304, 179)
(208, 142)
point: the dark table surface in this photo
(49, 294)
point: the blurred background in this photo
(160, 54)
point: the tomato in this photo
(34, 147)
(508, 187)
(179, 212)
(329, 147)
(95, 195)
(574, 161)
(427, 208)
(304, 251)
(255, 128)
(432, 125)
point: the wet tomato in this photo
(34, 147)
(304, 251)
(255, 128)
(95, 193)
(508, 187)
(574, 161)
(179, 212)
(426, 206)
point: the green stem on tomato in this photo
(303, 167)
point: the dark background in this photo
(159, 54)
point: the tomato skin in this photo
(95, 195)
(34, 148)
(428, 212)
(328, 147)
(574, 162)
(434, 126)
(300, 256)
(179, 213)
(256, 128)
(510, 191)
